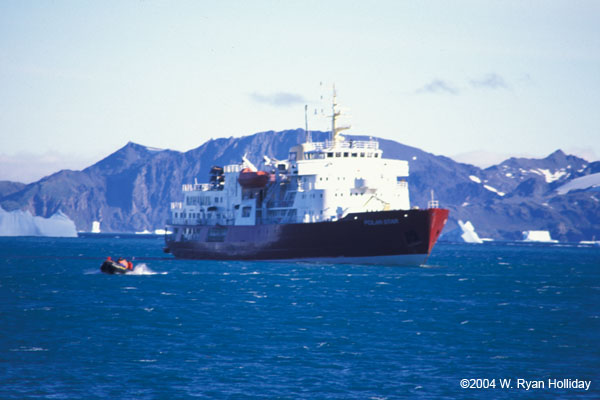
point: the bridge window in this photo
(246, 212)
(345, 154)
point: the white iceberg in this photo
(590, 243)
(469, 235)
(96, 227)
(538, 236)
(22, 223)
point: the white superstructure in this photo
(320, 181)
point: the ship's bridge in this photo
(335, 149)
(334, 178)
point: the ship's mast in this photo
(308, 138)
(335, 130)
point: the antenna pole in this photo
(333, 115)
(308, 138)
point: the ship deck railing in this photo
(433, 204)
(347, 144)
(200, 221)
(190, 187)
(233, 168)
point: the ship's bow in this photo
(437, 219)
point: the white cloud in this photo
(438, 86)
(489, 81)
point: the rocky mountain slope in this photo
(131, 189)
(8, 187)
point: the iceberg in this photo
(22, 223)
(96, 227)
(469, 235)
(538, 236)
(590, 243)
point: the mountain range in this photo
(131, 189)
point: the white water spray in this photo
(143, 269)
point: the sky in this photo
(475, 80)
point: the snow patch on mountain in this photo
(581, 183)
(493, 189)
(549, 176)
(474, 179)
(153, 149)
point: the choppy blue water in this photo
(183, 329)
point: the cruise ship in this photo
(338, 201)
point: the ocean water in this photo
(178, 329)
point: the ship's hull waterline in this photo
(399, 237)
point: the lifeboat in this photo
(249, 179)
(116, 267)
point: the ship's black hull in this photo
(391, 237)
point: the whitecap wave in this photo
(28, 349)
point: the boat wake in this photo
(143, 269)
(430, 266)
